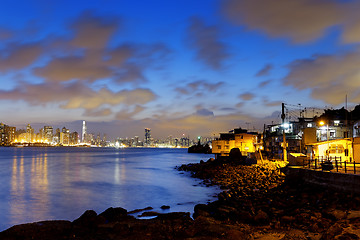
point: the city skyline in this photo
(190, 67)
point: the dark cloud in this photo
(227, 109)
(5, 34)
(64, 69)
(204, 112)
(265, 71)
(93, 31)
(247, 96)
(87, 55)
(199, 87)
(264, 83)
(130, 72)
(300, 20)
(98, 112)
(272, 103)
(17, 56)
(129, 113)
(76, 95)
(328, 77)
(205, 41)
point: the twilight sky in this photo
(178, 67)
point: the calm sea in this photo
(61, 183)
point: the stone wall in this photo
(338, 181)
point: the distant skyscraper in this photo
(147, 136)
(83, 135)
(48, 133)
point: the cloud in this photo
(247, 96)
(17, 56)
(205, 41)
(92, 31)
(264, 83)
(328, 77)
(129, 114)
(98, 112)
(271, 103)
(64, 69)
(200, 86)
(76, 95)
(265, 71)
(204, 112)
(5, 34)
(300, 20)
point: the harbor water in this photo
(60, 183)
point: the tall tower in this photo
(83, 135)
(147, 136)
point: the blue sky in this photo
(178, 67)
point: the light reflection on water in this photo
(61, 183)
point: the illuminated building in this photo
(65, 136)
(74, 138)
(48, 134)
(83, 135)
(29, 134)
(147, 136)
(7, 134)
(247, 142)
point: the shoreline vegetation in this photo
(257, 202)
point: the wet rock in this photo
(201, 210)
(149, 214)
(88, 219)
(140, 210)
(114, 214)
(164, 207)
(174, 215)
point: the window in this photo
(219, 147)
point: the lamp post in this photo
(322, 123)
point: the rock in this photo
(337, 214)
(261, 218)
(140, 210)
(55, 230)
(88, 219)
(287, 219)
(149, 214)
(201, 210)
(235, 154)
(164, 207)
(353, 215)
(333, 231)
(174, 215)
(114, 214)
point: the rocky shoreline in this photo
(257, 203)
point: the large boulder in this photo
(235, 155)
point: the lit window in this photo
(219, 146)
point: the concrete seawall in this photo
(338, 181)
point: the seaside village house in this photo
(315, 138)
(247, 142)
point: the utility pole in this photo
(283, 126)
